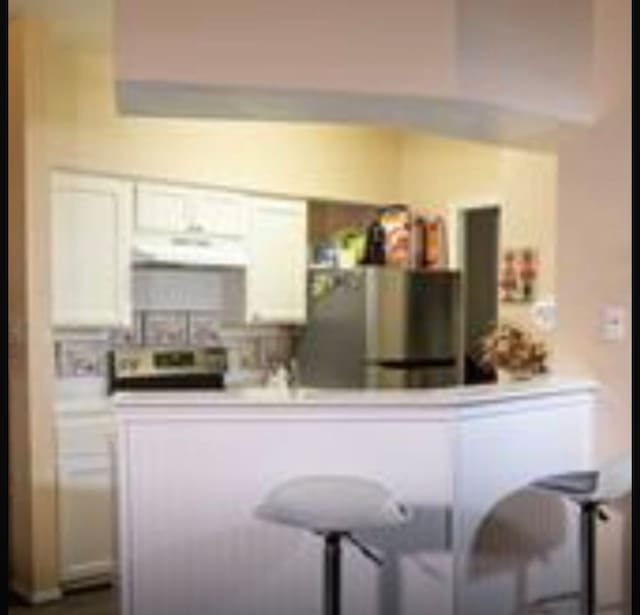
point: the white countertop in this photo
(147, 403)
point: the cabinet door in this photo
(277, 272)
(162, 207)
(91, 250)
(86, 519)
(219, 213)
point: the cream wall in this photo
(594, 248)
(453, 175)
(594, 261)
(33, 522)
(330, 162)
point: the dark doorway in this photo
(480, 235)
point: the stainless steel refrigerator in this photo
(380, 327)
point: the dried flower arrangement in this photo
(510, 348)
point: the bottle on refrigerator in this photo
(435, 242)
(396, 221)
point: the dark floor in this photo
(104, 602)
(88, 602)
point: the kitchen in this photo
(164, 281)
(294, 170)
(148, 264)
(166, 285)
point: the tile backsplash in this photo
(251, 348)
(81, 355)
(204, 328)
(166, 328)
(183, 307)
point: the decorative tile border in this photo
(82, 354)
(204, 328)
(165, 328)
(81, 358)
(130, 336)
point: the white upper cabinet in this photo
(277, 271)
(168, 208)
(161, 207)
(219, 213)
(91, 250)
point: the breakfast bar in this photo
(193, 467)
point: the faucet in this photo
(293, 375)
(283, 373)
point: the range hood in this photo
(197, 251)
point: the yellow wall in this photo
(19, 479)
(334, 162)
(451, 175)
(33, 475)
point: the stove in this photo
(132, 369)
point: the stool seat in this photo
(327, 504)
(610, 482)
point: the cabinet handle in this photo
(190, 241)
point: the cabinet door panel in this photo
(86, 534)
(91, 220)
(276, 279)
(203, 213)
(218, 213)
(162, 208)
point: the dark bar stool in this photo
(334, 507)
(591, 492)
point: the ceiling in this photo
(84, 23)
(88, 24)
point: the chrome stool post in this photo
(591, 492)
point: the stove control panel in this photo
(158, 362)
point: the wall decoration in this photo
(518, 275)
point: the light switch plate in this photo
(543, 314)
(612, 323)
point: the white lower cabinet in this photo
(86, 534)
(86, 501)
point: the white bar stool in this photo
(334, 507)
(591, 492)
